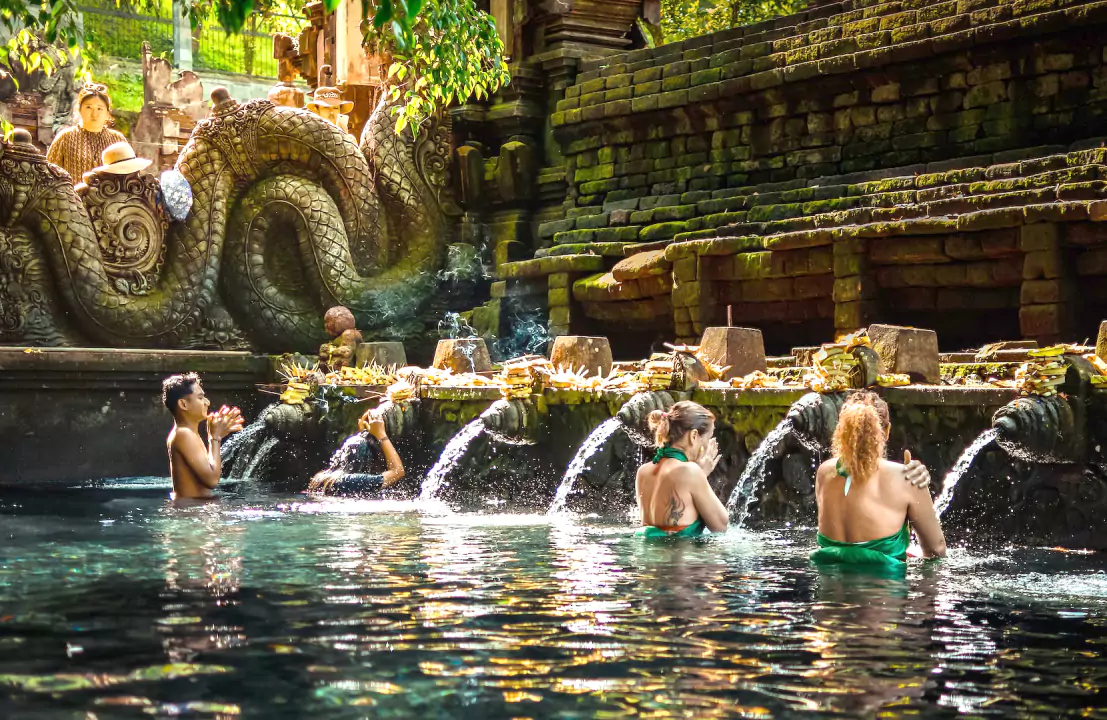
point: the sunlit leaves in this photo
(682, 19)
(443, 51)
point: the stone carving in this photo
(290, 217)
(286, 51)
(340, 350)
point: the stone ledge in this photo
(551, 265)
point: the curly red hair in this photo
(860, 440)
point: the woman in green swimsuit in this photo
(864, 502)
(674, 497)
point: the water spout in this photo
(945, 497)
(435, 481)
(582, 462)
(812, 420)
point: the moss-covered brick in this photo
(578, 212)
(755, 50)
(596, 172)
(767, 79)
(716, 220)
(710, 75)
(646, 75)
(661, 231)
(551, 266)
(597, 187)
(674, 69)
(675, 82)
(558, 118)
(590, 199)
(593, 86)
(678, 212)
(633, 168)
(570, 237)
(704, 93)
(985, 95)
(644, 104)
(675, 98)
(549, 229)
(592, 99)
(595, 112)
(619, 81)
(623, 93)
(691, 158)
(641, 217)
(576, 147)
(717, 205)
(655, 201)
(666, 163)
(568, 104)
(625, 234)
(592, 222)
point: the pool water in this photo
(115, 604)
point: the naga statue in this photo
(289, 217)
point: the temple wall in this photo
(931, 163)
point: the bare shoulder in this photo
(687, 472)
(180, 437)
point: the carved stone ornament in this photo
(131, 226)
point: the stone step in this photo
(551, 265)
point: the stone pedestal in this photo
(462, 355)
(385, 354)
(743, 349)
(594, 353)
(907, 350)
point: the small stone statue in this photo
(78, 148)
(327, 102)
(340, 325)
(284, 93)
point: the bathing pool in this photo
(114, 604)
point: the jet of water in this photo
(960, 468)
(581, 462)
(447, 461)
(754, 475)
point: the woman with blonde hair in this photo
(674, 497)
(864, 504)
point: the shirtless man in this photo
(194, 468)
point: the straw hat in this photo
(119, 159)
(330, 97)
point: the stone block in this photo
(462, 355)
(913, 351)
(382, 353)
(1101, 340)
(1042, 264)
(1043, 322)
(591, 353)
(743, 349)
(640, 265)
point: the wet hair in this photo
(177, 387)
(679, 420)
(359, 454)
(861, 436)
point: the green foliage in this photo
(442, 51)
(34, 28)
(682, 19)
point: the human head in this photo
(94, 106)
(184, 397)
(338, 320)
(686, 423)
(861, 437)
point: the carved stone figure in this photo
(77, 149)
(340, 324)
(327, 102)
(290, 217)
(284, 93)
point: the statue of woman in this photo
(78, 148)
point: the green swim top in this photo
(689, 531)
(888, 551)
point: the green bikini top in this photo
(667, 451)
(841, 470)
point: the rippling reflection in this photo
(277, 607)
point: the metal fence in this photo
(120, 33)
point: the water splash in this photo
(754, 475)
(581, 462)
(261, 457)
(354, 455)
(960, 468)
(238, 450)
(447, 461)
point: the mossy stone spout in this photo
(1042, 429)
(814, 418)
(635, 413)
(511, 420)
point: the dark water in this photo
(113, 604)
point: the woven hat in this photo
(119, 159)
(330, 97)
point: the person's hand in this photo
(373, 421)
(709, 456)
(224, 421)
(914, 471)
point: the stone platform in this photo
(74, 414)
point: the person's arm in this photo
(395, 471)
(708, 506)
(920, 511)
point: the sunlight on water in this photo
(580, 463)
